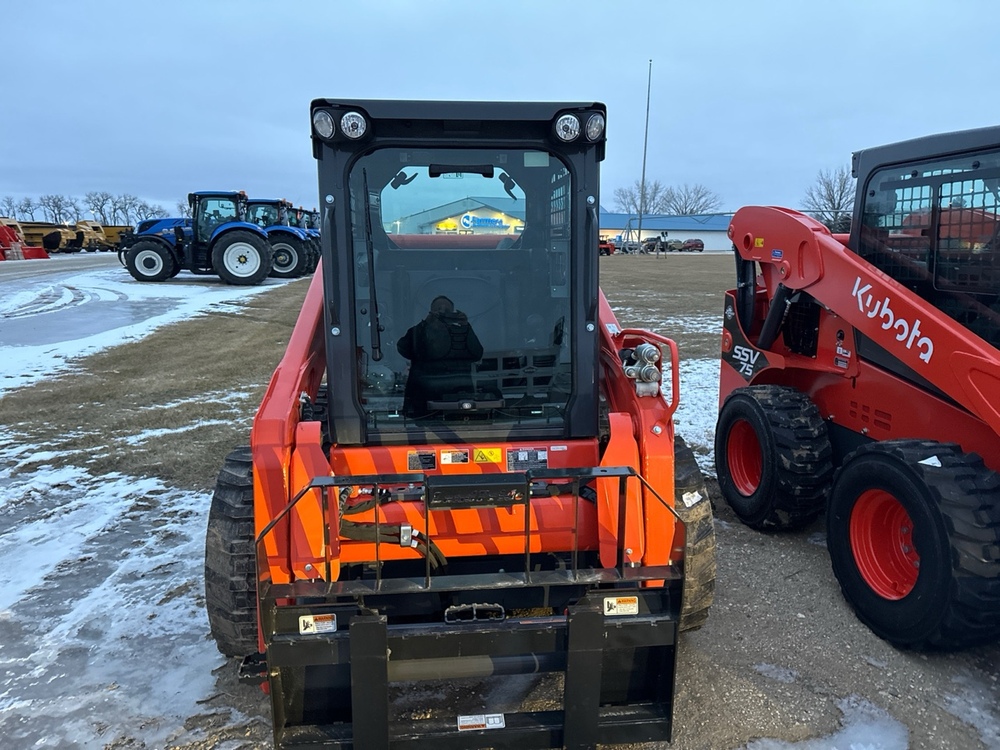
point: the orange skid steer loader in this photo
(464, 468)
(861, 376)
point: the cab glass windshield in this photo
(460, 261)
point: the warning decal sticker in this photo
(621, 605)
(317, 624)
(421, 460)
(472, 722)
(523, 459)
(454, 457)
(487, 455)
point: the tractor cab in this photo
(463, 272)
(209, 211)
(294, 253)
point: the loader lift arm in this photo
(798, 254)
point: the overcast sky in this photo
(750, 99)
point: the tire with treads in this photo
(693, 506)
(291, 257)
(773, 457)
(230, 559)
(149, 260)
(241, 257)
(913, 530)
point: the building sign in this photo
(483, 222)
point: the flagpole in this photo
(645, 141)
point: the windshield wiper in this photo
(376, 337)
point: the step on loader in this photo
(464, 470)
(861, 376)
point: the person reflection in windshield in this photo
(441, 348)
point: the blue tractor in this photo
(293, 249)
(308, 221)
(217, 239)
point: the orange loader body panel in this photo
(288, 454)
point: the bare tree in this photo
(58, 208)
(689, 200)
(98, 202)
(26, 209)
(8, 206)
(184, 209)
(627, 199)
(123, 208)
(144, 211)
(660, 199)
(73, 210)
(830, 200)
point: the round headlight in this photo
(353, 124)
(323, 123)
(595, 127)
(568, 127)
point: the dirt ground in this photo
(781, 656)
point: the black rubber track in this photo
(797, 458)
(693, 506)
(230, 560)
(953, 501)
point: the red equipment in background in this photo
(12, 246)
(861, 373)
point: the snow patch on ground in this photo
(102, 625)
(864, 726)
(40, 299)
(975, 702)
(698, 410)
(142, 437)
(774, 672)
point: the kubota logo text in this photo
(905, 331)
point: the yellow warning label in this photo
(488, 455)
(758, 242)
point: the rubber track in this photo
(230, 561)
(699, 541)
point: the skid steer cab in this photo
(295, 253)
(216, 240)
(861, 377)
(464, 470)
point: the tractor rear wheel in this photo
(693, 506)
(230, 558)
(913, 529)
(148, 260)
(241, 258)
(773, 457)
(290, 258)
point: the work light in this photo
(595, 127)
(353, 124)
(568, 127)
(323, 123)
